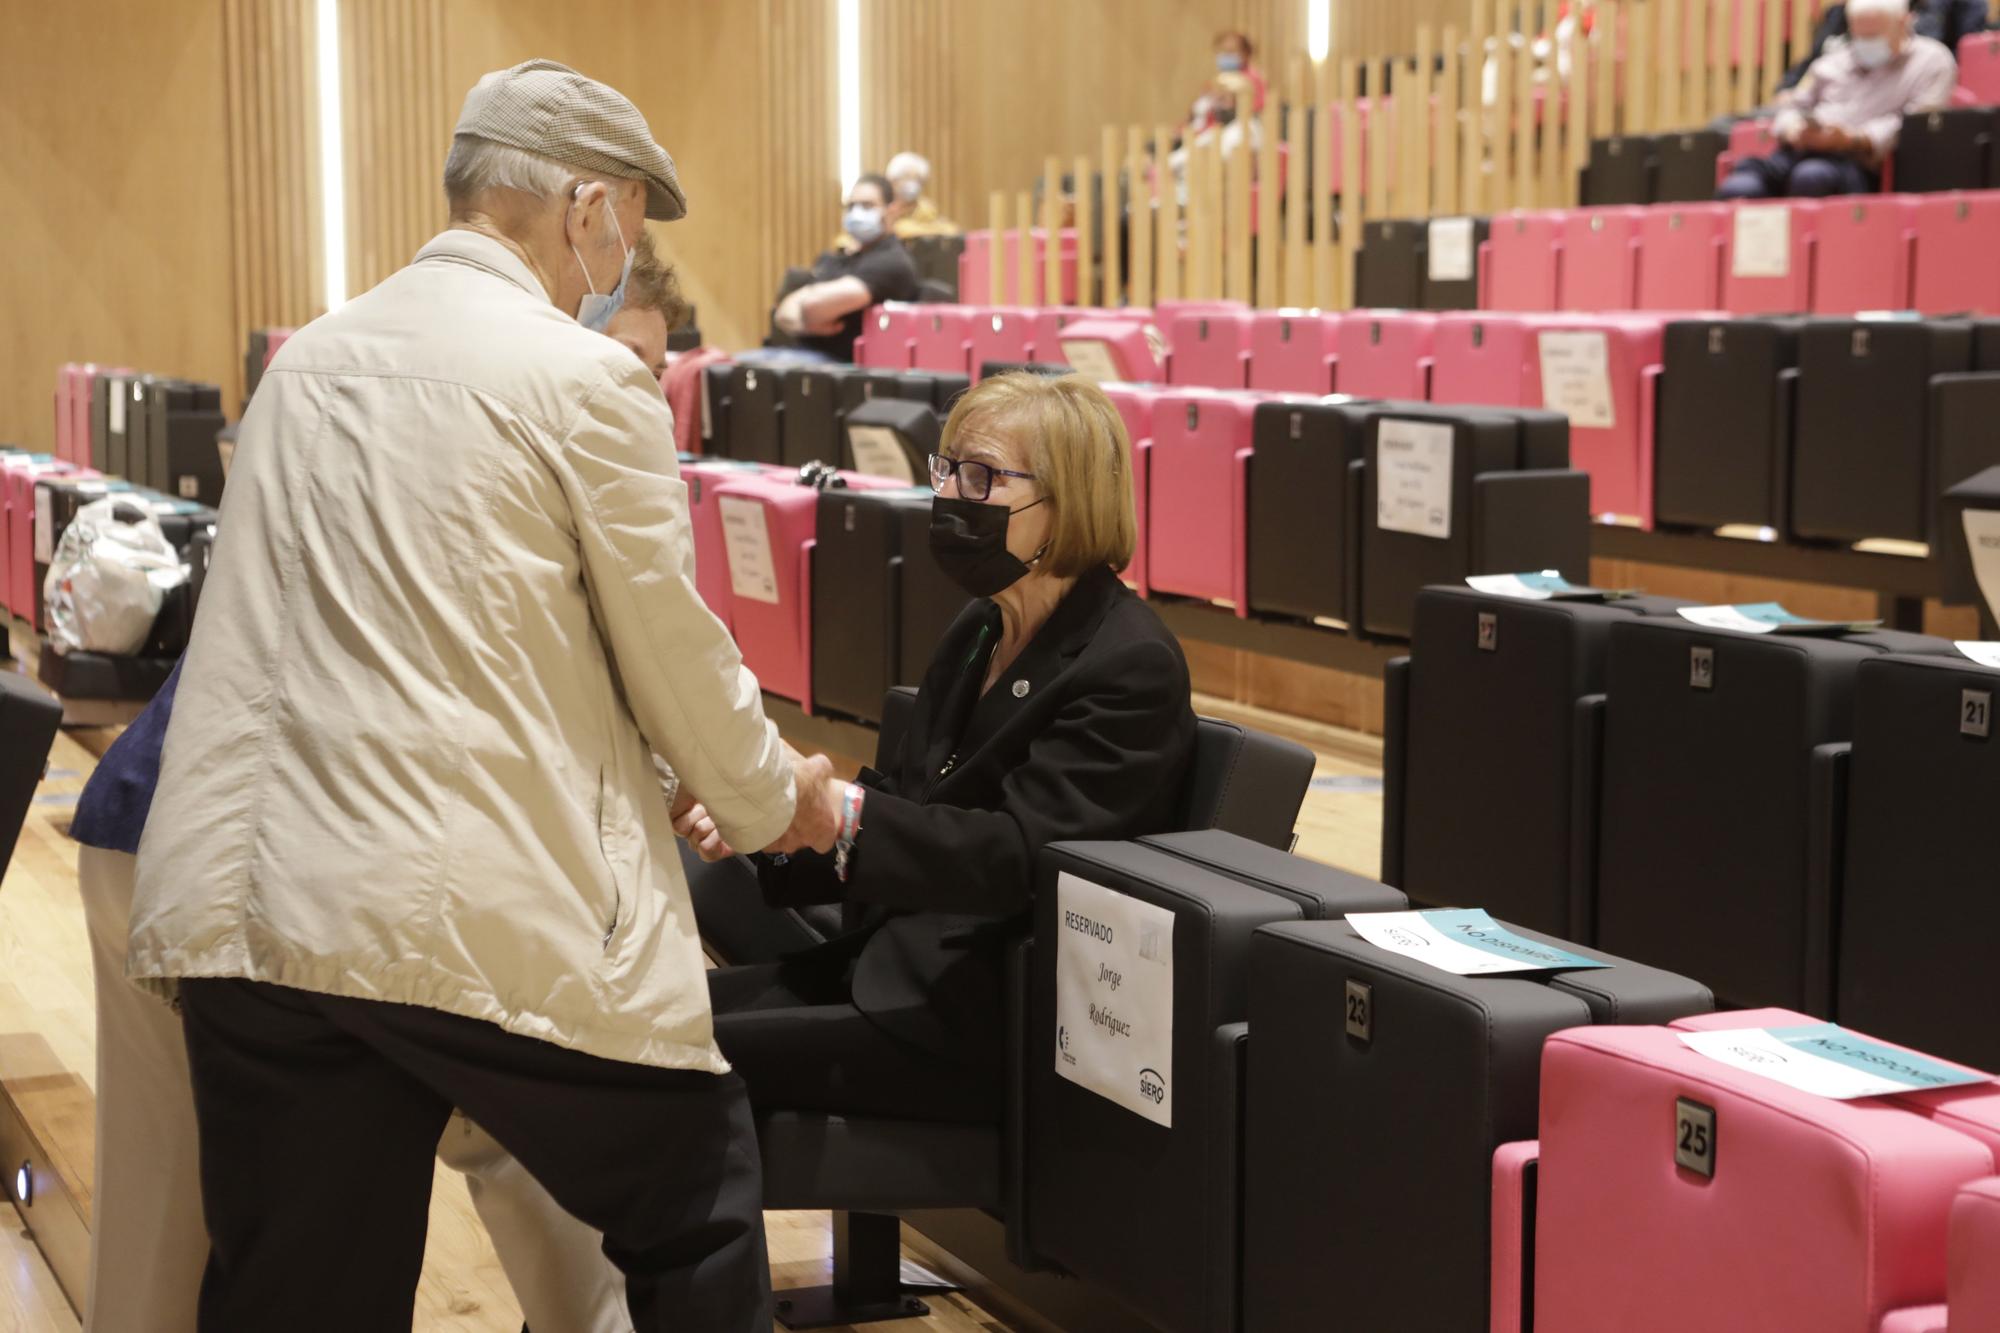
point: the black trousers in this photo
(319, 1119)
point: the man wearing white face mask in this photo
(408, 850)
(1840, 124)
(823, 318)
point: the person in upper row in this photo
(651, 307)
(1218, 105)
(1056, 707)
(911, 212)
(1837, 128)
(822, 317)
(1945, 20)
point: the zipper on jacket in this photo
(617, 898)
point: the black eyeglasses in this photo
(975, 480)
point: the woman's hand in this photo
(694, 824)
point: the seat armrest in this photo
(1395, 764)
(1245, 782)
(1225, 1248)
(1586, 783)
(1532, 520)
(896, 706)
(1513, 1273)
(1826, 854)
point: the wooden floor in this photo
(45, 990)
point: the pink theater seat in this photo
(1197, 494)
(1135, 404)
(1601, 258)
(768, 525)
(1051, 320)
(1821, 1216)
(1750, 284)
(1165, 312)
(1512, 1274)
(1680, 256)
(1979, 66)
(943, 340)
(1616, 450)
(1974, 1257)
(20, 472)
(72, 406)
(975, 275)
(1520, 264)
(1862, 253)
(888, 337)
(1387, 353)
(1958, 234)
(1209, 349)
(1294, 351)
(703, 477)
(1001, 333)
(1114, 349)
(1482, 359)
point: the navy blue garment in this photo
(111, 813)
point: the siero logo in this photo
(1062, 1045)
(1152, 1087)
(1407, 938)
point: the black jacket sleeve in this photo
(1111, 765)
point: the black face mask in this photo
(969, 541)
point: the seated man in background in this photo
(1945, 20)
(911, 212)
(1840, 125)
(823, 317)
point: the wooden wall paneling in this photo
(1576, 117)
(1109, 217)
(1303, 176)
(1270, 246)
(1086, 234)
(1378, 167)
(1554, 124)
(1774, 48)
(1744, 52)
(1144, 214)
(1472, 193)
(1601, 53)
(1218, 214)
(1694, 106)
(1167, 249)
(1804, 16)
(1051, 292)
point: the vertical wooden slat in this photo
(1803, 17)
(996, 255)
(1670, 16)
(1025, 281)
(1695, 103)
(1167, 257)
(1774, 48)
(1745, 54)
(1576, 129)
(1143, 211)
(1114, 278)
(1601, 51)
(1239, 176)
(1450, 132)
(1051, 290)
(1086, 234)
(1378, 171)
(1304, 174)
(1424, 134)
(1335, 286)
(1270, 248)
(1500, 193)
(1525, 121)
(1472, 195)
(1549, 189)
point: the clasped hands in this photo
(1813, 137)
(815, 819)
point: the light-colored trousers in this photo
(148, 1242)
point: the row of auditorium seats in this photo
(156, 431)
(1316, 508)
(1312, 1132)
(1930, 253)
(1783, 815)
(1819, 429)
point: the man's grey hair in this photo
(476, 165)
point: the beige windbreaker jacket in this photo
(451, 614)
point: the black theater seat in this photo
(857, 582)
(1704, 862)
(1685, 170)
(1727, 396)
(1623, 170)
(1491, 754)
(1948, 149)
(1919, 908)
(1380, 1088)
(1389, 267)
(756, 417)
(813, 413)
(29, 719)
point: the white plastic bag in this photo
(112, 569)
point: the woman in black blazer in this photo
(1056, 707)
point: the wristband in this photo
(850, 828)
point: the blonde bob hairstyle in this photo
(1074, 442)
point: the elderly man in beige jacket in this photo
(408, 850)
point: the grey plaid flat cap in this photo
(542, 107)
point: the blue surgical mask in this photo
(863, 224)
(1870, 52)
(595, 311)
(1228, 62)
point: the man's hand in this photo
(698, 828)
(816, 818)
